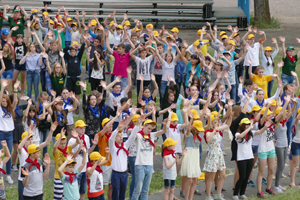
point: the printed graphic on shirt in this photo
(67, 179)
(270, 135)
(98, 185)
(144, 67)
(19, 51)
(145, 145)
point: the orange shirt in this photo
(102, 144)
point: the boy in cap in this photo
(69, 178)
(175, 32)
(75, 29)
(2, 163)
(35, 173)
(85, 142)
(60, 152)
(94, 175)
(68, 38)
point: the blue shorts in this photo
(21, 68)
(7, 74)
(82, 182)
(255, 150)
(295, 149)
(169, 183)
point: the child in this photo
(58, 75)
(2, 163)
(35, 173)
(7, 56)
(38, 29)
(169, 167)
(94, 176)
(69, 178)
(145, 92)
(31, 117)
(75, 34)
(157, 70)
(175, 32)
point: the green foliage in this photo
(274, 24)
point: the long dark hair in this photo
(95, 63)
(196, 57)
(32, 108)
(268, 62)
(242, 128)
(64, 114)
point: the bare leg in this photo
(15, 153)
(187, 188)
(221, 179)
(261, 171)
(271, 165)
(209, 178)
(183, 181)
(293, 167)
(166, 194)
(109, 192)
(23, 77)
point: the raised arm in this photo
(282, 39)
(155, 86)
(250, 69)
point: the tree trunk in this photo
(262, 10)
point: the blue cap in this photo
(5, 31)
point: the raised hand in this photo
(129, 70)
(282, 39)
(261, 32)
(241, 79)
(255, 30)
(280, 64)
(293, 74)
(74, 134)
(82, 84)
(3, 143)
(25, 171)
(249, 61)
(53, 126)
(274, 41)
(140, 77)
(61, 53)
(47, 159)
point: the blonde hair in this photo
(259, 67)
(10, 52)
(60, 72)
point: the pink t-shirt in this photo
(121, 64)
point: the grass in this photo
(287, 195)
(262, 23)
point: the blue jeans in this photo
(43, 79)
(131, 161)
(43, 136)
(287, 79)
(119, 184)
(101, 197)
(7, 74)
(270, 85)
(124, 82)
(48, 84)
(82, 183)
(8, 137)
(33, 77)
(289, 130)
(20, 189)
(143, 175)
(163, 87)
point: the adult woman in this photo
(7, 124)
(295, 150)
(33, 62)
(7, 56)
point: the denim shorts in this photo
(288, 79)
(21, 68)
(255, 150)
(295, 149)
(169, 183)
(82, 182)
(268, 154)
(7, 74)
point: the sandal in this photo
(293, 186)
(175, 198)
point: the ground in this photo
(287, 13)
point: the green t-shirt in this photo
(1, 22)
(58, 82)
(70, 190)
(20, 23)
(62, 36)
(288, 65)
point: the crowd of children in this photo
(217, 100)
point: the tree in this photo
(262, 10)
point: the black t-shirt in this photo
(3, 42)
(63, 122)
(8, 63)
(20, 51)
(43, 124)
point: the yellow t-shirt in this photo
(204, 47)
(262, 82)
(59, 159)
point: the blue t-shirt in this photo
(188, 72)
(70, 190)
(68, 35)
(233, 53)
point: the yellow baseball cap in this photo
(155, 33)
(105, 121)
(268, 48)
(127, 23)
(200, 31)
(58, 135)
(120, 26)
(51, 22)
(198, 125)
(263, 111)
(59, 16)
(137, 29)
(32, 148)
(250, 36)
(298, 111)
(34, 24)
(149, 26)
(59, 24)
(149, 121)
(196, 43)
(255, 108)
(245, 121)
(214, 113)
(212, 118)
(278, 110)
(72, 162)
(93, 23)
(273, 102)
(95, 156)
(75, 43)
(176, 30)
(222, 33)
(69, 19)
(34, 10)
(111, 23)
(174, 117)
(196, 116)
(135, 117)
(236, 34)
(224, 37)
(232, 42)
(169, 142)
(80, 123)
(74, 24)
(46, 13)
(24, 135)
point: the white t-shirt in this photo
(110, 102)
(79, 157)
(253, 54)
(296, 139)
(117, 38)
(171, 173)
(244, 150)
(144, 150)
(111, 38)
(176, 136)
(22, 157)
(266, 141)
(256, 138)
(143, 67)
(98, 74)
(6, 121)
(75, 36)
(70, 114)
(168, 69)
(36, 136)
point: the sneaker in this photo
(282, 188)
(219, 197)
(270, 191)
(153, 171)
(260, 195)
(182, 194)
(283, 176)
(197, 192)
(264, 181)
(14, 168)
(209, 198)
(9, 180)
(251, 184)
(224, 154)
(235, 197)
(273, 177)
(243, 197)
(278, 190)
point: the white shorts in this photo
(107, 170)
